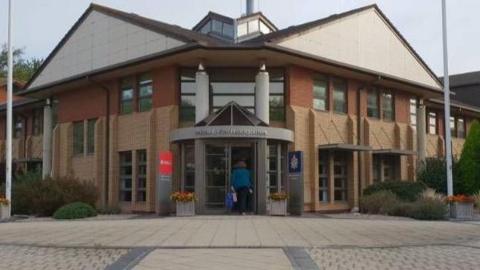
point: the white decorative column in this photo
(202, 105)
(262, 89)
(47, 139)
(421, 132)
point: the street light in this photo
(8, 148)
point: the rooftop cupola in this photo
(248, 26)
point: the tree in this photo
(469, 163)
(23, 69)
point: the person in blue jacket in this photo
(242, 184)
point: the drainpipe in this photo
(47, 139)
(106, 185)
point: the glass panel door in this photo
(216, 180)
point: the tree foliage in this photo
(469, 163)
(23, 68)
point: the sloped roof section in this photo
(362, 37)
(231, 114)
(105, 37)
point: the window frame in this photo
(138, 177)
(37, 122)
(78, 141)
(432, 115)
(323, 190)
(122, 177)
(345, 95)
(144, 83)
(376, 93)
(127, 84)
(413, 115)
(324, 79)
(339, 159)
(384, 94)
(90, 136)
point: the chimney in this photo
(250, 7)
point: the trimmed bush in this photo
(75, 210)
(428, 209)
(469, 163)
(382, 202)
(404, 190)
(33, 196)
(433, 174)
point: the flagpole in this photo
(8, 152)
(446, 94)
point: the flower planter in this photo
(278, 207)
(185, 209)
(4, 213)
(461, 210)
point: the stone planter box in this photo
(4, 214)
(460, 210)
(185, 209)
(278, 208)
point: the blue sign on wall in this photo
(295, 162)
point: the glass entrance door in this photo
(220, 160)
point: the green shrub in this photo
(428, 209)
(404, 190)
(433, 174)
(382, 202)
(33, 196)
(74, 211)
(469, 163)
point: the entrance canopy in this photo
(231, 121)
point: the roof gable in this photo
(104, 37)
(363, 37)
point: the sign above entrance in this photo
(244, 132)
(165, 163)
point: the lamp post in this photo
(8, 152)
(446, 94)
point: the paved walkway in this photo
(240, 242)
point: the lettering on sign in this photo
(231, 132)
(165, 163)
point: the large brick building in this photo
(347, 90)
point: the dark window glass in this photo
(323, 186)
(228, 30)
(217, 26)
(388, 106)
(340, 96)
(432, 123)
(18, 127)
(320, 93)
(461, 128)
(37, 122)
(453, 131)
(126, 97)
(373, 109)
(189, 168)
(187, 96)
(125, 176)
(141, 186)
(145, 91)
(78, 137)
(91, 136)
(340, 177)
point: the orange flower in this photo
(460, 198)
(4, 201)
(183, 196)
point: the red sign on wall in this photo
(165, 163)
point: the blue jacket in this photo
(241, 178)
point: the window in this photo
(432, 123)
(242, 29)
(187, 93)
(373, 109)
(384, 168)
(323, 187)
(19, 127)
(253, 26)
(228, 30)
(189, 167)
(91, 136)
(413, 113)
(320, 92)
(275, 167)
(125, 176)
(145, 91)
(217, 26)
(37, 122)
(277, 96)
(461, 128)
(388, 106)
(453, 130)
(78, 137)
(141, 180)
(340, 96)
(207, 27)
(126, 97)
(340, 177)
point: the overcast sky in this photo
(40, 24)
